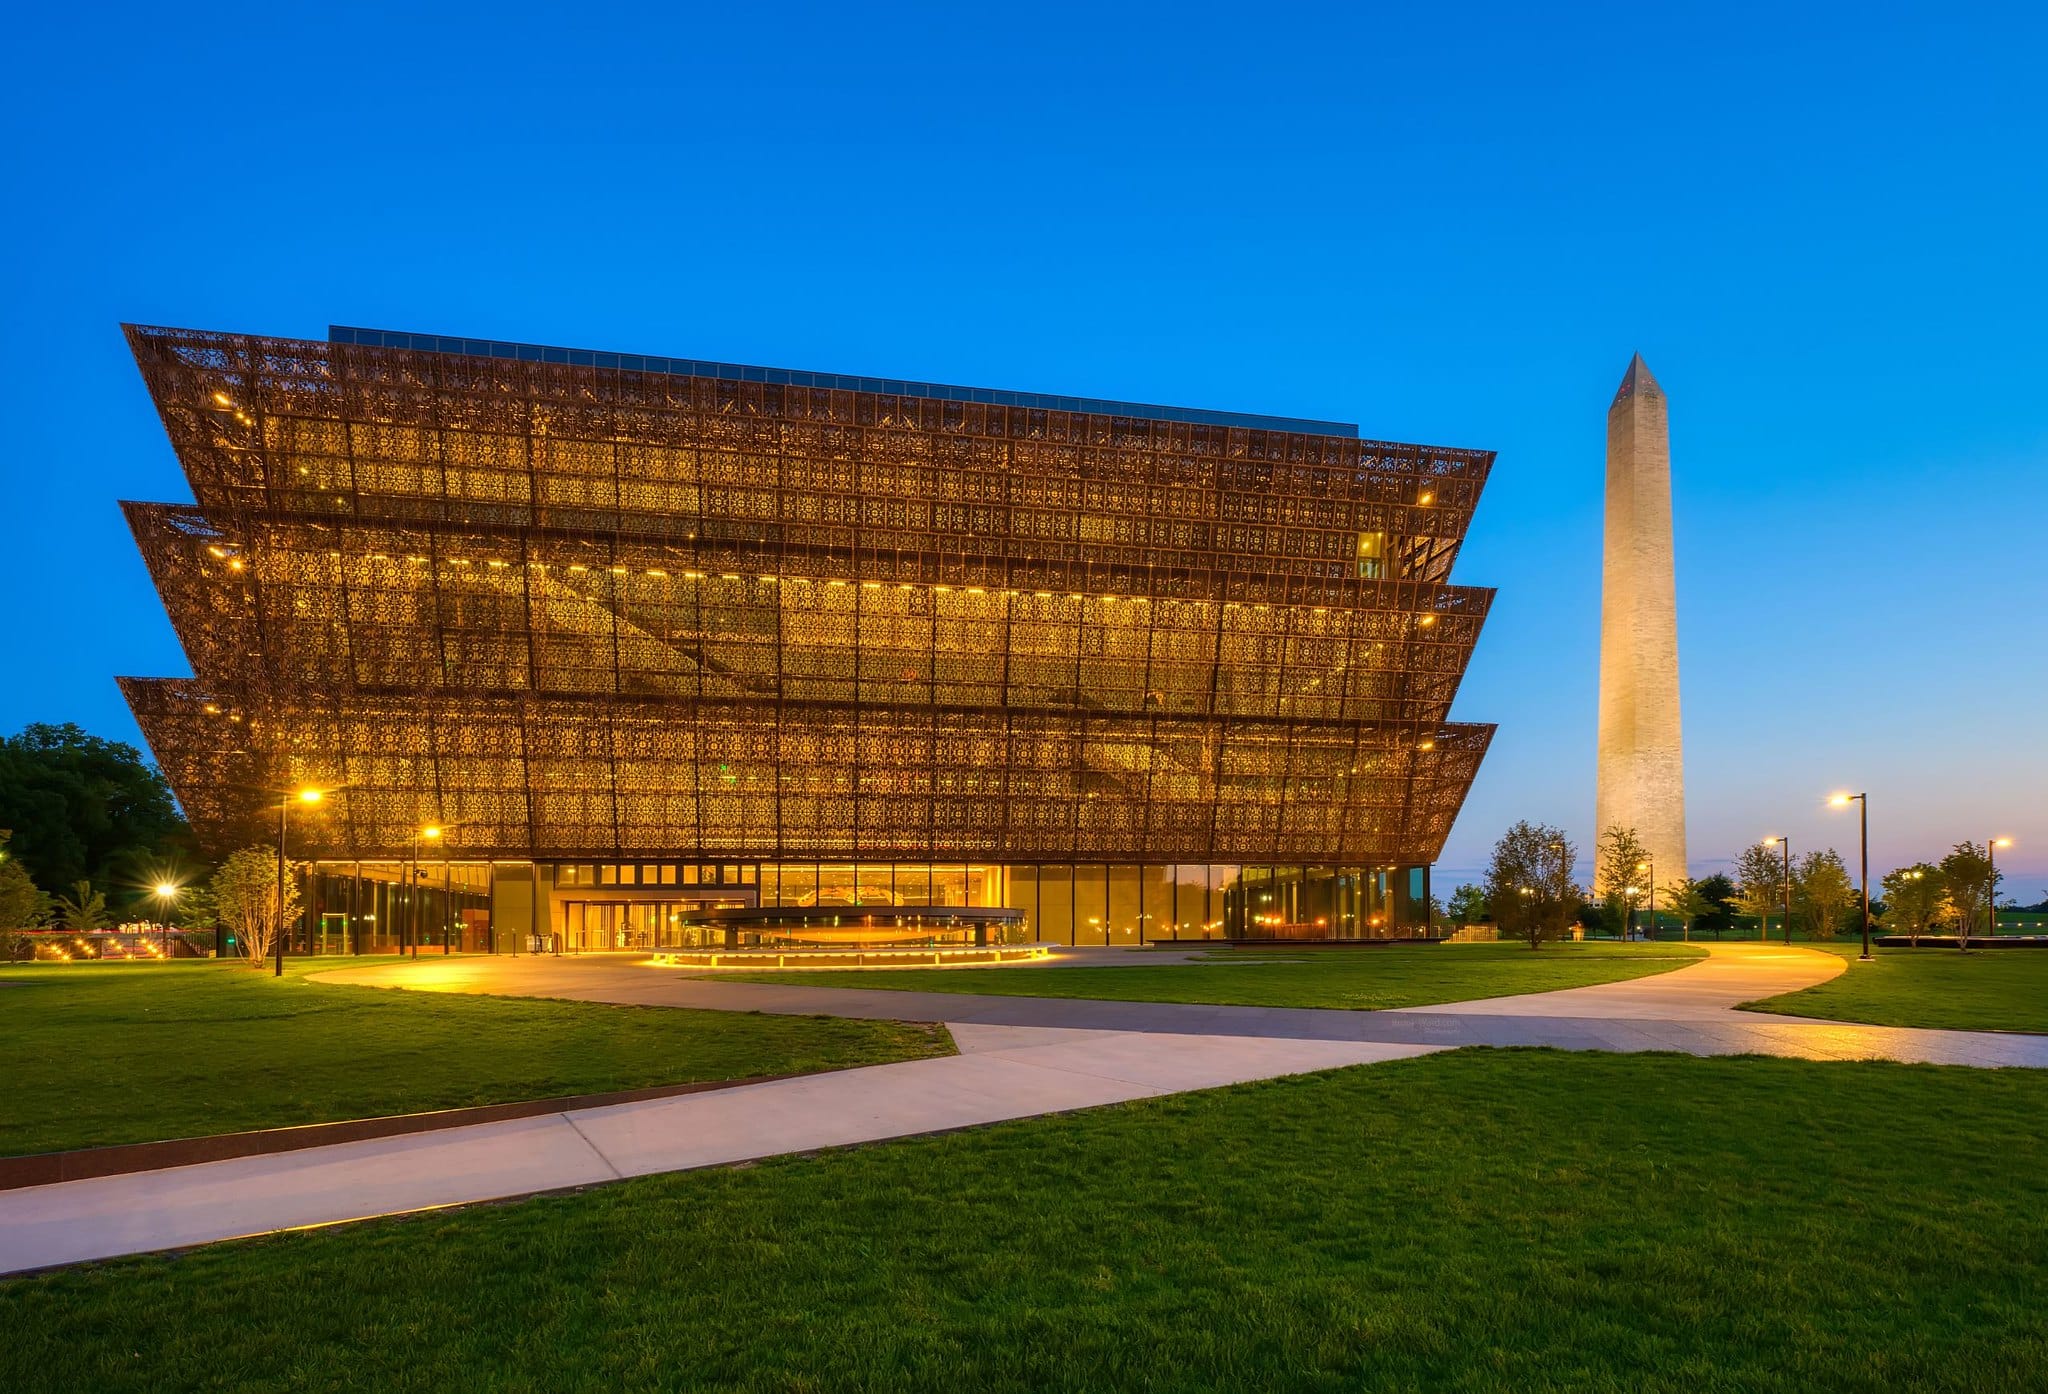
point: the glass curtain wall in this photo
(387, 907)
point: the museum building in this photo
(547, 649)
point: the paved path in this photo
(1020, 1057)
(1001, 1073)
(1690, 1009)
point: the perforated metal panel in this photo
(584, 610)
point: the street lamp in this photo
(1991, 846)
(1862, 801)
(1785, 845)
(432, 832)
(1628, 928)
(284, 804)
(1649, 864)
(166, 894)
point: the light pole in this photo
(1991, 846)
(432, 833)
(1862, 802)
(284, 804)
(166, 896)
(1649, 864)
(1784, 844)
(1628, 926)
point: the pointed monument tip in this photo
(1636, 380)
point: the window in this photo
(1372, 555)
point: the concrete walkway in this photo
(1001, 1073)
(1020, 1057)
(1691, 1009)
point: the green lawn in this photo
(1504, 1220)
(1982, 990)
(133, 1052)
(1398, 975)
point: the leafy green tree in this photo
(1622, 863)
(1822, 892)
(1468, 904)
(1684, 898)
(1760, 884)
(1913, 897)
(1966, 874)
(84, 808)
(245, 896)
(1719, 892)
(84, 910)
(23, 905)
(1529, 883)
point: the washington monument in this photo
(1642, 767)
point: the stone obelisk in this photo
(1642, 766)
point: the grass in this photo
(1504, 1220)
(1982, 990)
(1399, 975)
(107, 1053)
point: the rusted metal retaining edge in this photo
(47, 1168)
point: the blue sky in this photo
(1823, 228)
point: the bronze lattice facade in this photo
(589, 606)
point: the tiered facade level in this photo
(649, 637)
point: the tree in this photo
(1529, 883)
(1623, 862)
(1821, 892)
(22, 904)
(1468, 904)
(1913, 898)
(1966, 874)
(84, 911)
(1719, 893)
(1760, 882)
(245, 894)
(83, 808)
(1684, 897)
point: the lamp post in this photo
(1784, 844)
(1862, 802)
(284, 804)
(166, 896)
(1649, 864)
(1628, 927)
(432, 833)
(1991, 846)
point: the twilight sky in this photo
(1823, 226)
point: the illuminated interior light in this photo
(493, 562)
(222, 399)
(655, 571)
(574, 567)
